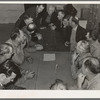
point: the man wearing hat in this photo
(78, 33)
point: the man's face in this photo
(72, 24)
(40, 8)
(4, 49)
(65, 22)
(88, 36)
(60, 15)
(28, 21)
(5, 52)
(59, 86)
(22, 36)
(51, 9)
(7, 79)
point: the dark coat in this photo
(80, 33)
(53, 19)
(38, 19)
(67, 33)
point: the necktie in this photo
(73, 40)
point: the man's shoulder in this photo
(9, 41)
(81, 30)
(81, 27)
(33, 8)
(31, 12)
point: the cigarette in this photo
(56, 67)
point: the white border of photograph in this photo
(49, 93)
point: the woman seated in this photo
(82, 51)
(94, 38)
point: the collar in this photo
(75, 28)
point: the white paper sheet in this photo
(49, 57)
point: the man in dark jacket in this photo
(78, 33)
(37, 13)
(66, 30)
(9, 73)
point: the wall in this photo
(9, 13)
(98, 15)
(77, 6)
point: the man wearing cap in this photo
(78, 33)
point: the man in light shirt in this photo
(89, 79)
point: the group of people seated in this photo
(85, 67)
(26, 39)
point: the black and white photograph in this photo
(47, 46)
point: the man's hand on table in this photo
(42, 28)
(39, 36)
(52, 26)
(29, 75)
(67, 43)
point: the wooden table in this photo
(53, 40)
(45, 70)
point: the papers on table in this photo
(49, 57)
